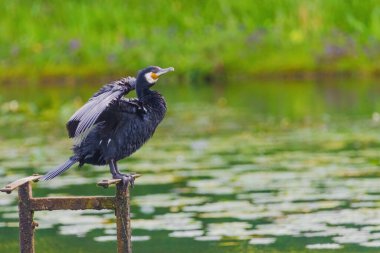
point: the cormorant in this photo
(110, 127)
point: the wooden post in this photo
(123, 219)
(27, 224)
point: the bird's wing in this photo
(85, 118)
(130, 106)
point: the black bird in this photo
(110, 127)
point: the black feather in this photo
(60, 169)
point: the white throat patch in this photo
(148, 77)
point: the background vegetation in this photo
(258, 151)
(199, 38)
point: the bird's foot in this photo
(125, 179)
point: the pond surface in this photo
(239, 167)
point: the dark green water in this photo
(240, 167)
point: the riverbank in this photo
(295, 39)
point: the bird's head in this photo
(147, 77)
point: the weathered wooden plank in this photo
(72, 203)
(14, 185)
(26, 218)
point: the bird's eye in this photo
(154, 76)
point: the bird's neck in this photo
(150, 97)
(142, 92)
(155, 106)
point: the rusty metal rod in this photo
(14, 185)
(27, 205)
(123, 219)
(72, 203)
(26, 219)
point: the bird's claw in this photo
(126, 179)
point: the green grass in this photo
(199, 38)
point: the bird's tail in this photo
(60, 169)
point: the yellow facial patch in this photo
(154, 76)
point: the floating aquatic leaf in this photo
(147, 209)
(262, 241)
(371, 244)
(220, 206)
(324, 246)
(105, 238)
(140, 238)
(167, 222)
(186, 233)
(355, 237)
(209, 238)
(230, 229)
(78, 229)
(167, 200)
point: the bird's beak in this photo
(164, 71)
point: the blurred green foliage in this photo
(199, 38)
